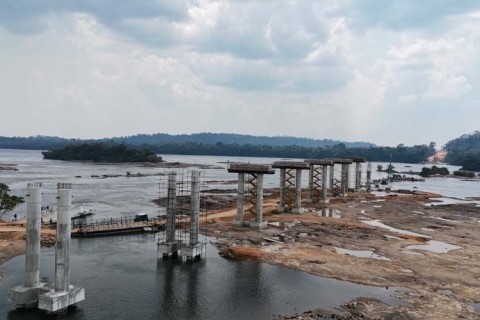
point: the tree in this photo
(7, 201)
(379, 167)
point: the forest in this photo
(102, 152)
(464, 151)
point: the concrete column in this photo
(281, 204)
(347, 177)
(332, 177)
(195, 203)
(324, 199)
(171, 206)
(298, 192)
(310, 184)
(259, 204)
(32, 252)
(369, 176)
(344, 180)
(357, 177)
(240, 201)
(62, 246)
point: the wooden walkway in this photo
(115, 226)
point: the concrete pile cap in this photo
(250, 168)
(290, 165)
(320, 162)
(359, 160)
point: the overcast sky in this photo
(387, 72)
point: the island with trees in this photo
(102, 152)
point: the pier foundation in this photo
(63, 294)
(170, 247)
(27, 295)
(252, 176)
(290, 186)
(318, 179)
(358, 173)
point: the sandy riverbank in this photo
(438, 285)
(12, 239)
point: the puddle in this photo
(377, 223)
(428, 229)
(329, 213)
(446, 292)
(283, 225)
(446, 201)
(361, 254)
(419, 212)
(412, 253)
(362, 212)
(434, 246)
(392, 237)
(476, 306)
(377, 206)
(406, 270)
(447, 220)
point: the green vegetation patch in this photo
(7, 201)
(427, 172)
(102, 152)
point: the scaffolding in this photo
(183, 203)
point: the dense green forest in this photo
(465, 151)
(401, 153)
(46, 143)
(102, 152)
(74, 149)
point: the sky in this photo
(386, 72)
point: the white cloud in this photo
(355, 70)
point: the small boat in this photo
(83, 213)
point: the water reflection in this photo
(124, 280)
(331, 213)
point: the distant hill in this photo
(238, 145)
(464, 151)
(46, 142)
(231, 138)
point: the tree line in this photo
(102, 152)
(465, 151)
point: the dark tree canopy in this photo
(102, 152)
(7, 201)
(465, 151)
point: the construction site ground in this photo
(439, 285)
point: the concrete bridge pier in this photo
(358, 172)
(319, 185)
(310, 184)
(194, 249)
(323, 198)
(369, 176)
(170, 247)
(291, 185)
(27, 295)
(298, 193)
(239, 219)
(63, 294)
(344, 177)
(332, 178)
(255, 174)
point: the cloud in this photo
(353, 70)
(406, 15)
